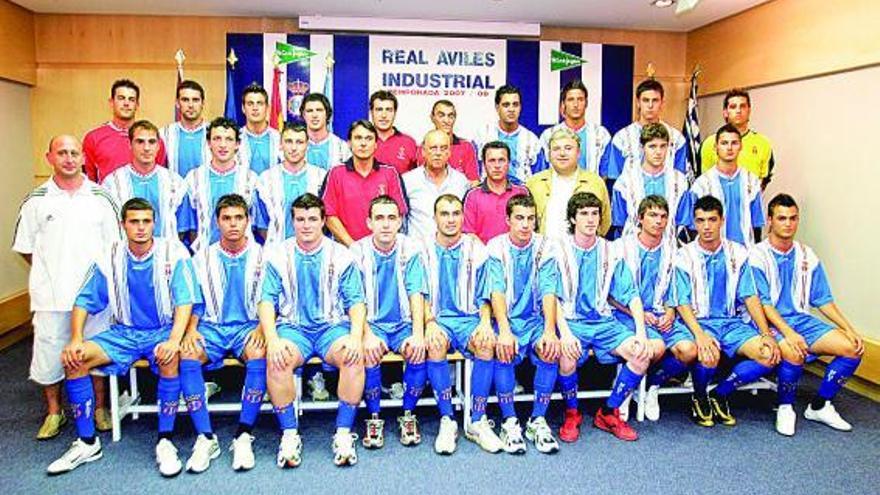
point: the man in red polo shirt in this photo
(348, 189)
(393, 147)
(463, 154)
(107, 147)
(485, 205)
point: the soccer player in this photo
(396, 288)
(259, 142)
(393, 147)
(186, 145)
(552, 188)
(714, 289)
(143, 178)
(791, 279)
(462, 154)
(326, 150)
(523, 144)
(148, 284)
(427, 183)
(653, 176)
(349, 188)
(525, 285)
(228, 272)
(281, 184)
(317, 291)
(738, 190)
(460, 315)
(757, 156)
(62, 226)
(627, 146)
(223, 175)
(593, 138)
(485, 206)
(107, 147)
(593, 270)
(650, 255)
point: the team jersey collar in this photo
(485, 186)
(250, 133)
(147, 175)
(349, 164)
(706, 252)
(224, 173)
(379, 252)
(145, 257)
(237, 254)
(314, 251)
(504, 133)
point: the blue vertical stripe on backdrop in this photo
(571, 74)
(297, 71)
(249, 51)
(351, 81)
(617, 86)
(523, 59)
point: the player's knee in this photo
(658, 349)
(710, 361)
(789, 355)
(639, 364)
(193, 355)
(567, 365)
(685, 351)
(484, 350)
(849, 351)
(438, 353)
(76, 372)
(170, 369)
(765, 361)
(253, 352)
(543, 357)
(282, 375)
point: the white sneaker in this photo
(538, 432)
(243, 452)
(204, 451)
(827, 415)
(624, 407)
(374, 434)
(345, 448)
(445, 443)
(290, 450)
(652, 403)
(512, 437)
(317, 387)
(78, 453)
(409, 429)
(481, 433)
(166, 458)
(785, 420)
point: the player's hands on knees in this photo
(414, 349)
(651, 319)
(857, 341)
(770, 350)
(191, 343)
(797, 342)
(434, 336)
(708, 349)
(640, 349)
(352, 350)
(570, 347)
(548, 346)
(256, 339)
(484, 336)
(374, 349)
(664, 323)
(279, 352)
(166, 351)
(72, 355)
(506, 346)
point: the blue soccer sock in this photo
(505, 381)
(345, 414)
(702, 376)
(373, 388)
(545, 380)
(81, 397)
(788, 375)
(568, 384)
(669, 367)
(438, 371)
(253, 391)
(838, 371)
(414, 377)
(481, 383)
(744, 372)
(168, 395)
(192, 384)
(287, 417)
(627, 380)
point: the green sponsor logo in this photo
(286, 53)
(560, 60)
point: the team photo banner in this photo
(420, 70)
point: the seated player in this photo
(715, 294)
(228, 272)
(790, 280)
(592, 270)
(317, 291)
(148, 283)
(460, 315)
(650, 255)
(394, 277)
(525, 280)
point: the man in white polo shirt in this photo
(62, 226)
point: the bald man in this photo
(62, 226)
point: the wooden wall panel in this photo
(17, 48)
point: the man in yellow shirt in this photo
(757, 154)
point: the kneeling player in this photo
(148, 284)
(650, 254)
(226, 323)
(593, 270)
(713, 281)
(318, 292)
(525, 280)
(791, 279)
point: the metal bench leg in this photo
(134, 391)
(640, 403)
(459, 386)
(114, 408)
(468, 368)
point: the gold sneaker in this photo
(701, 412)
(102, 419)
(51, 426)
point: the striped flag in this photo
(179, 57)
(276, 113)
(691, 131)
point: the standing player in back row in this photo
(185, 141)
(523, 144)
(259, 142)
(326, 150)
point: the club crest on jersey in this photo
(401, 153)
(382, 190)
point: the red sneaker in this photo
(614, 425)
(571, 427)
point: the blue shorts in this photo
(124, 345)
(676, 334)
(393, 335)
(603, 337)
(311, 343)
(223, 340)
(731, 333)
(811, 329)
(459, 330)
(527, 333)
